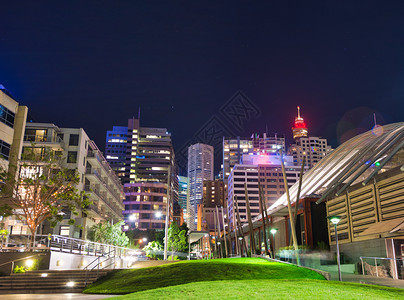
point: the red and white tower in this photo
(299, 129)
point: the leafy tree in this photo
(153, 249)
(38, 188)
(107, 233)
(177, 239)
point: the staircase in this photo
(48, 281)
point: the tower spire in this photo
(299, 129)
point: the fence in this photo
(383, 267)
(70, 245)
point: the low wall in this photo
(60, 261)
(6, 258)
(325, 274)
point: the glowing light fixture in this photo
(70, 284)
(29, 263)
(44, 275)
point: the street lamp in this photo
(158, 214)
(335, 220)
(273, 232)
(132, 217)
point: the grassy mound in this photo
(135, 280)
(269, 289)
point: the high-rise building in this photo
(233, 149)
(150, 178)
(299, 129)
(213, 193)
(183, 194)
(115, 149)
(240, 175)
(311, 147)
(200, 168)
(268, 144)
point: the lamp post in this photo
(240, 238)
(273, 232)
(335, 220)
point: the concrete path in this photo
(64, 296)
(367, 279)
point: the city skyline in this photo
(112, 59)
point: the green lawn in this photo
(135, 280)
(269, 289)
(236, 278)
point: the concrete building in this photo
(268, 144)
(97, 179)
(311, 147)
(213, 193)
(115, 149)
(200, 168)
(233, 149)
(12, 125)
(150, 179)
(240, 175)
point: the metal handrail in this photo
(97, 265)
(13, 261)
(382, 258)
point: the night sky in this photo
(91, 64)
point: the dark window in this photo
(4, 149)
(72, 157)
(7, 116)
(74, 140)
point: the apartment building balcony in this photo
(95, 176)
(101, 197)
(43, 140)
(97, 160)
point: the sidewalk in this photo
(367, 279)
(61, 296)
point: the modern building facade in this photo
(266, 144)
(115, 149)
(183, 195)
(150, 179)
(78, 152)
(200, 168)
(213, 193)
(239, 176)
(233, 149)
(12, 125)
(312, 148)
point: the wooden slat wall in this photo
(391, 194)
(338, 207)
(363, 211)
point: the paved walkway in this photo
(367, 279)
(64, 296)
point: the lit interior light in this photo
(70, 284)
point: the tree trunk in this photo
(262, 207)
(250, 224)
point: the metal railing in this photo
(386, 268)
(13, 261)
(77, 246)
